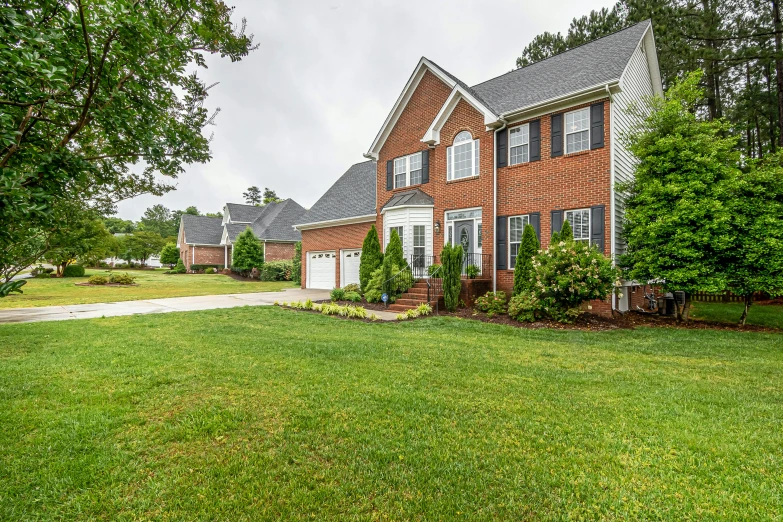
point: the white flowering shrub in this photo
(567, 274)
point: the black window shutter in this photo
(502, 152)
(390, 175)
(425, 166)
(557, 135)
(535, 140)
(557, 221)
(535, 222)
(597, 227)
(501, 239)
(597, 126)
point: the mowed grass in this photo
(268, 414)
(770, 316)
(151, 284)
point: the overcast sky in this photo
(303, 107)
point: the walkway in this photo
(160, 306)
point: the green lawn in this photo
(268, 414)
(766, 315)
(151, 284)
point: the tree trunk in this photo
(779, 65)
(748, 303)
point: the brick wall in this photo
(405, 138)
(572, 181)
(205, 255)
(332, 238)
(279, 251)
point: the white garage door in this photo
(320, 270)
(350, 267)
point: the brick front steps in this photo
(416, 295)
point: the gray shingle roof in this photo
(352, 195)
(202, 230)
(274, 223)
(591, 64)
(244, 213)
(410, 197)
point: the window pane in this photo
(463, 160)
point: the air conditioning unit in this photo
(679, 297)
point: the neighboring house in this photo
(209, 241)
(473, 165)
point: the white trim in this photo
(432, 136)
(423, 66)
(384, 210)
(336, 222)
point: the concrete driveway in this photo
(156, 306)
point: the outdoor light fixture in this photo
(437, 227)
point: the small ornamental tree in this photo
(677, 227)
(394, 250)
(296, 270)
(523, 270)
(248, 253)
(169, 255)
(755, 261)
(371, 259)
(451, 259)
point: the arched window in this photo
(462, 158)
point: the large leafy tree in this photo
(755, 259)
(96, 100)
(677, 225)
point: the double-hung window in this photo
(407, 170)
(516, 226)
(580, 223)
(419, 235)
(519, 144)
(577, 130)
(462, 158)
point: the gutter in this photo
(495, 204)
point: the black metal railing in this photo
(398, 284)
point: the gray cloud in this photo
(307, 104)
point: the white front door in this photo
(350, 267)
(321, 268)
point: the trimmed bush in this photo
(492, 303)
(337, 294)
(97, 280)
(451, 257)
(122, 279)
(524, 275)
(277, 271)
(371, 259)
(73, 271)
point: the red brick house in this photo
(473, 165)
(209, 241)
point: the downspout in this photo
(495, 205)
(612, 209)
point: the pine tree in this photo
(248, 253)
(371, 259)
(523, 270)
(394, 251)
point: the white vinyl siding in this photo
(516, 226)
(577, 130)
(580, 223)
(519, 145)
(637, 85)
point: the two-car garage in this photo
(322, 268)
